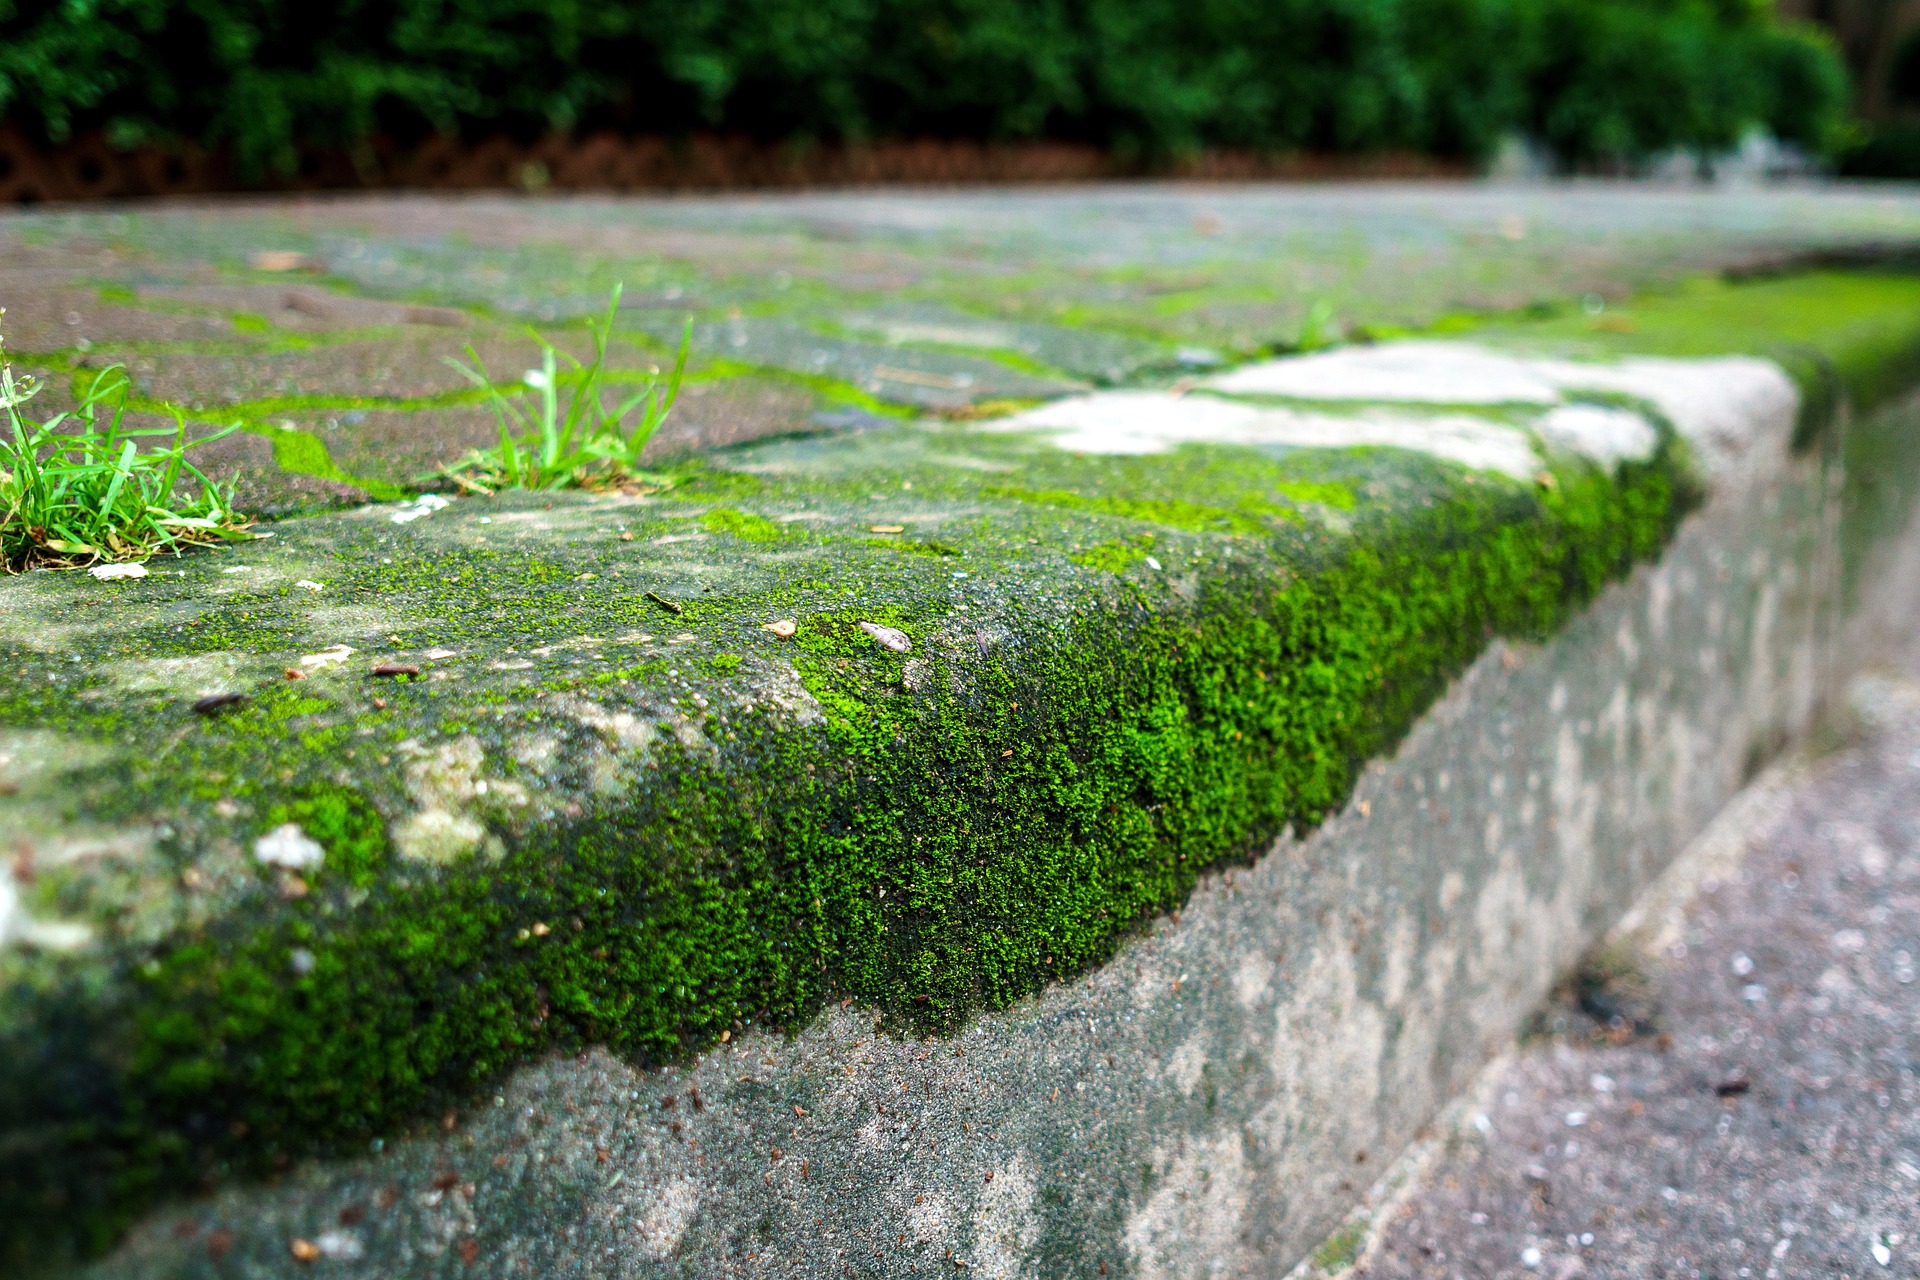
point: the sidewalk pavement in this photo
(1746, 1105)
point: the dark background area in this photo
(165, 94)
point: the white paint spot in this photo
(424, 505)
(289, 847)
(1142, 422)
(1723, 406)
(108, 572)
(1606, 435)
(1398, 372)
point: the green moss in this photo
(964, 824)
(1249, 516)
(932, 851)
(1341, 1250)
(302, 453)
(748, 528)
(343, 823)
(1337, 496)
(1114, 557)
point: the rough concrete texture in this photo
(666, 771)
(828, 307)
(1731, 1092)
(1210, 1101)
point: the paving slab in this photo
(1286, 727)
(934, 301)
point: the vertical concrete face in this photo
(1213, 1100)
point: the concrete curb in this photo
(1215, 1098)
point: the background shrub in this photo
(1600, 81)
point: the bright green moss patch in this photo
(748, 528)
(1249, 516)
(1111, 557)
(1123, 671)
(957, 826)
(1859, 329)
(1337, 496)
(1341, 1250)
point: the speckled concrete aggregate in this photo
(1766, 1119)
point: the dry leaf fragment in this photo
(889, 638)
(280, 260)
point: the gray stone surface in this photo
(902, 303)
(1763, 1117)
(1212, 1100)
(1200, 1105)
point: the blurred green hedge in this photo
(1599, 81)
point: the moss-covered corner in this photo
(1071, 741)
(620, 805)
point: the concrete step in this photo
(1075, 836)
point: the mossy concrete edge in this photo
(1212, 1099)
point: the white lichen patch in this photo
(447, 783)
(289, 848)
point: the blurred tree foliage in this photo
(1599, 81)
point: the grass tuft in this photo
(78, 488)
(583, 445)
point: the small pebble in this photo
(288, 846)
(216, 702)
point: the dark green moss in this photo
(932, 850)
(965, 823)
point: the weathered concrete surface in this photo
(1762, 1117)
(1065, 657)
(816, 311)
(1210, 1101)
